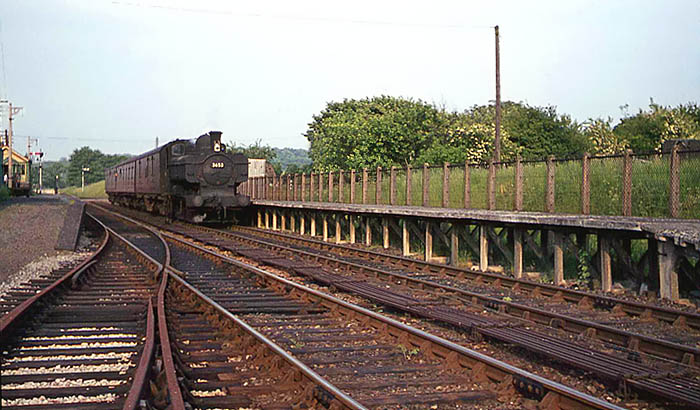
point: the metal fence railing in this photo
(649, 185)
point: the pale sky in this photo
(115, 74)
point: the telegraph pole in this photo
(497, 140)
(13, 111)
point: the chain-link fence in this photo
(648, 185)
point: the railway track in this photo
(449, 356)
(490, 296)
(679, 384)
(81, 341)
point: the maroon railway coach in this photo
(192, 180)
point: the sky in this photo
(114, 75)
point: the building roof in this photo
(15, 156)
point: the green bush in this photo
(4, 193)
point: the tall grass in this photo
(649, 186)
(94, 190)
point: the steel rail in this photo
(646, 344)
(174, 392)
(566, 394)
(631, 308)
(141, 375)
(339, 395)
(170, 271)
(11, 319)
(567, 397)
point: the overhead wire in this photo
(299, 18)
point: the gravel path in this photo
(29, 229)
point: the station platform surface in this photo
(682, 232)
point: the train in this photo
(193, 180)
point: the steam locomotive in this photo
(195, 181)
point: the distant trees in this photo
(649, 129)
(379, 131)
(93, 159)
(385, 131)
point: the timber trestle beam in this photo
(603, 250)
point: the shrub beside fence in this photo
(648, 185)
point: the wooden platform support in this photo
(338, 231)
(454, 245)
(605, 264)
(324, 218)
(483, 248)
(666, 264)
(405, 238)
(351, 221)
(668, 273)
(428, 241)
(517, 253)
(385, 232)
(558, 259)
(368, 232)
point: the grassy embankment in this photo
(95, 190)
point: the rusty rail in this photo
(8, 321)
(445, 349)
(174, 392)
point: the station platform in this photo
(681, 232)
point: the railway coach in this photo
(196, 180)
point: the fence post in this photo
(392, 186)
(303, 186)
(320, 187)
(340, 186)
(518, 205)
(330, 186)
(295, 186)
(408, 185)
(364, 185)
(585, 184)
(467, 185)
(378, 187)
(445, 184)
(674, 182)
(425, 184)
(279, 182)
(627, 183)
(352, 186)
(550, 184)
(311, 187)
(491, 186)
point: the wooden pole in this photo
(674, 183)
(408, 185)
(550, 184)
(445, 184)
(392, 186)
(627, 183)
(378, 187)
(497, 139)
(585, 184)
(425, 184)
(467, 185)
(518, 205)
